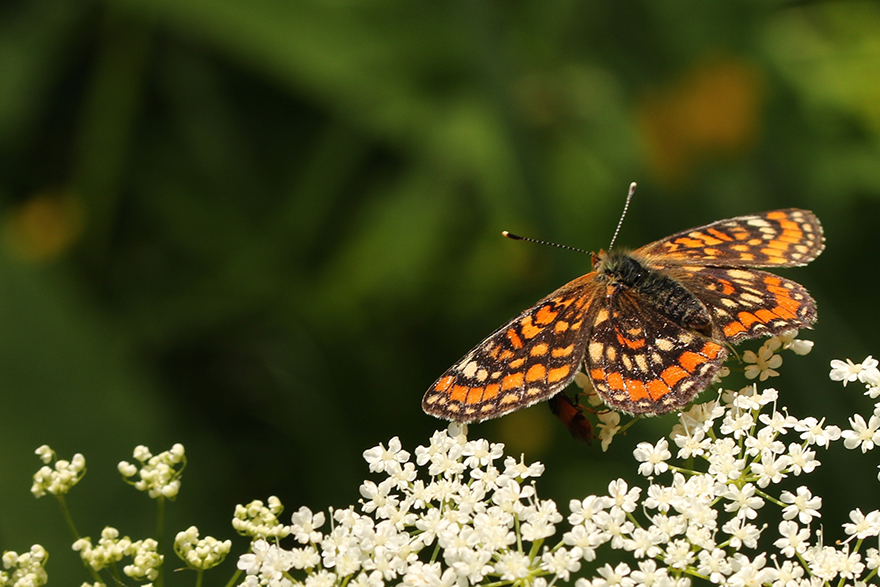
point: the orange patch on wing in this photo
(562, 352)
(443, 383)
(512, 381)
(514, 338)
(711, 350)
(691, 360)
(536, 373)
(636, 389)
(719, 235)
(786, 312)
(491, 391)
(765, 315)
(539, 349)
(705, 238)
(747, 318)
(475, 395)
(632, 344)
(658, 389)
(673, 374)
(690, 243)
(529, 330)
(558, 374)
(561, 326)
(597, 374)
(615, 381)
(516, 364)
(459, 393)
(545, 316)
(771, 252)
(733, 328)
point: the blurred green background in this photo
(263, 228)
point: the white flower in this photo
(794, 539)
(845, 372)
(627, 500)
(612, 576)
(862, 435)
(869, 374)
(749, 572)
(763, 364)
(609, 425)
(743, 501)
(813, 432)
(802, 459)
(583, 511)
(561, 563)
(305, 525)
(389, 459)
(714, 564)
(790, 341)
(771, 468)
(520, 471)
(679, 554)
(695, 443)
(479, 453)
(863, 525)
(513, 565)
(741, 533)
(652, 457)
(803, 505)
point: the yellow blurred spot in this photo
(714, 109)
(526, 431)
(44, 227)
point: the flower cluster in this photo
(159, 475)
(260, 521)
(480, 518)
(111, 549)
(200, 554)
(476, 517)
(26, 569)
(57, 480)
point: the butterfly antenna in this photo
(629, 196)
(540, 242)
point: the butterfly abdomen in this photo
(668, 296)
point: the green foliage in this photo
(263, 228)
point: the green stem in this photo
(160, 539)
(72, 527)
(67, 517)
(234, 579)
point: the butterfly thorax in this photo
(623, 272)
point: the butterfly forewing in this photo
(781, 238)
(527, 360)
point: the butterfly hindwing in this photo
(640, 362)
(748, 303)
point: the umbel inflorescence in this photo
(704, 505)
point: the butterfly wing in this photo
(640, 362)
(780, 238)
(529, 359)
(748, 303)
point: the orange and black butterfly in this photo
(650, 325)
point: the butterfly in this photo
(652, 326)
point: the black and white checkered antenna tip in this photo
(629, 196)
